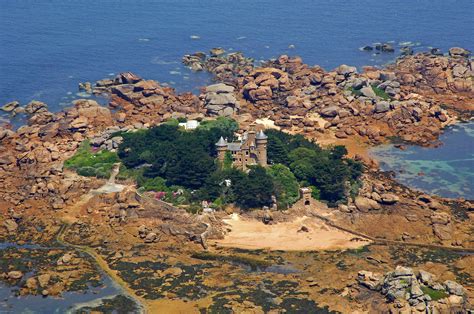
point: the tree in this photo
(255, 190)
(277, 152)
(191, 168)
(286, 186)
(338, 152)
(228, 160)
(223, 184)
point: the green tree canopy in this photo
(255, 190)
(286, 186)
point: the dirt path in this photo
(287, 236)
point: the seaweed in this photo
(253, 263)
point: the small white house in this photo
(189, 125)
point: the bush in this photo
(156, 184)
(380, 92)
(435, 295)
(224, 124)
(89, 164)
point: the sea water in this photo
(48, 46)
(447, 170)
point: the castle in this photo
(251, 150)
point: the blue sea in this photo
(48, 46)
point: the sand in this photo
(286, 236)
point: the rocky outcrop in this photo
(35, 106)
(413, 290)
(226, 67)
(365, 205)
(145, 101)
(459, 52)
(442, 227)
(9, 107)
(219, 100)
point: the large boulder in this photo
(80, 123)
(43, 280)
(371, 280)
(220, 100)
(367, 91)
(127, 78)
(459, 52)
(389, 199)
(15, 274)
(364, 204)
(220, 88)
(346, 70)
(35, 106)
(95, 114)
(382, 106)
(9, 107)
(454, 288)
(330, 111)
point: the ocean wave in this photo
(159, 61)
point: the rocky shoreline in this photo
(411, 101)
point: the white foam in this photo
(82, 94)
(159, 61)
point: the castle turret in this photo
(251, 134)
(221, 147)
(261, 141)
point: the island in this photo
(256, 196)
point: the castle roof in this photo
(237, 146)
(234, 147)
(261, 136)
(222, 142)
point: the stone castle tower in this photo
(251, 150)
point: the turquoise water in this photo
(447, 170)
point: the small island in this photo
(257, 195)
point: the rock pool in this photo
(447, 170)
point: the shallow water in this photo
(447, 170)
(48, 47)
(9, 303)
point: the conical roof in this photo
(222, 142)
(261, 136)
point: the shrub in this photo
(380, 92)
(435, 295)
(89, 163)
